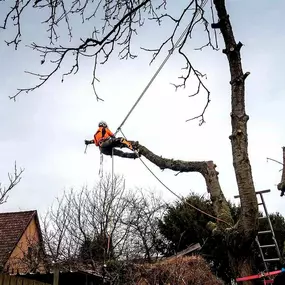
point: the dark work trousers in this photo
(109, 144)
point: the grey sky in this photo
(44, 130)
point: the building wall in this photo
(27, 255)
(8, 279)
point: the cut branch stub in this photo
(237, 48)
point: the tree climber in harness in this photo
(107, 142)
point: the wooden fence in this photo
(15, 280)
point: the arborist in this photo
(107, 142)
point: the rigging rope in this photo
(171, 191)
(138, 100)
(160, 68)
(101, 166)
(213, 19)
(109, 231)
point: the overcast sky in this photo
(44, 131)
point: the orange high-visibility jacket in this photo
(102, 134)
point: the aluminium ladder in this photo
(270, 231)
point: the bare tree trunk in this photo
(240, 238)
(239, 136)
(242, 266)
(248, 224)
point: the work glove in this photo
(87, 142)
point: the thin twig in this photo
(14, 179)
(274, 160)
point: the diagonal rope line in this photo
(159, 69)
(138, 100)
(213, 19)
(171, 191)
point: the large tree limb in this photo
(207, 170)
(175, 165)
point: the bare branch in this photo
(30, 255)
(274, 160)
(197, 17)
(14, 179)
(15, 15)
(120, 23)
(94, 225)
(120, 33)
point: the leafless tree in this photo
(93, 225)
(121, 22)
(146, 209)
(14, 179)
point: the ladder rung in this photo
(271, 259)
(268, 245)
(264, 232)
(262, 217)
(260, 204)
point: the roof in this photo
(12, 227)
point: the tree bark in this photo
(242, 266)
(240, 238)
(239, 118)
(246, 229)
(208, 171)
(239, 247)
(281, 185)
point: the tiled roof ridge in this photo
(18, 212)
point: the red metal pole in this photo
(257, 276)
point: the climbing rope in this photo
(176, 45)
(109, 229)
(159, 69)
(171, 191)
(213, 20)
(101, 166)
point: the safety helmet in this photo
(103, 124)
